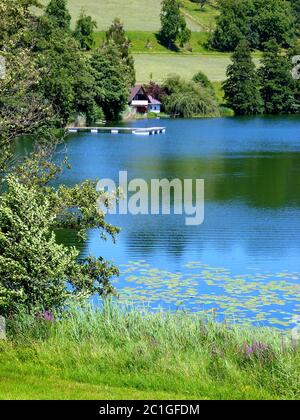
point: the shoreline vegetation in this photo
(190, 36)
(120, 352)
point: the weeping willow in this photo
(188, 99)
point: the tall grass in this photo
(175, 353)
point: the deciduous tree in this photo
(111, 81)
(256, 20)
(173, 25)
(188, 99)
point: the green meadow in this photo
(140, 15)
(141, 19)
(158, 67)
(118, 353)
(147, 42)
(153, 60)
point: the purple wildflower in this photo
(47, 316)
(258, 350)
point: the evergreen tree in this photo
(84, 31)
(117, 35)
(278, 85)
(242, 86)
(57, 11)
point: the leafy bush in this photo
(201, 79)
(36, 272)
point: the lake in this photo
(243, 262)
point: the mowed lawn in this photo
(27, 387)
(158, 66)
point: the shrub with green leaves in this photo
(36, 272)
(202, 80)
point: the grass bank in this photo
(122, 354)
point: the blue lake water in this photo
(243, 261)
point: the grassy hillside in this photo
(204, 18)
(114, 354)
(142, 20)
(138, 15)
(147, 42)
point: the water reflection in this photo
(251, 169)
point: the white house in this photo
(154, 105)
(141, 102)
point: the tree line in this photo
(49, 79)
(70, 81)
(270, 89)
(258, 21)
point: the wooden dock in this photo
(148, 131)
